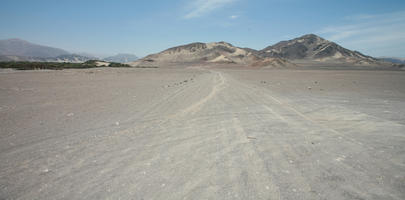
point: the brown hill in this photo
(308, 50)
(216, 52)
(314, 48)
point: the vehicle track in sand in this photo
(219, 136)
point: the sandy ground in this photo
(202, 134)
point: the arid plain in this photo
(202, 133)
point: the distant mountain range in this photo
(307, 50)
(122, 58)
(394, 60)
(21, 50)
(71, 58)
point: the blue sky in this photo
(104, 27)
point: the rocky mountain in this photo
(220, 52)
(22, 48)
(122, 58)
(314, 48)
(216, 52)
(307, 50)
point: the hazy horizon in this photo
(144, 27)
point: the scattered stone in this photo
(117, 123)
(340, 158)
(70, 114)
(45, 171)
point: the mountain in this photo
(305, 51)
(308, 50)
(71, 58)
(394, 60)
(208, 53)
(220, 52)
(314, 48)
(22, 48)
(122, 58)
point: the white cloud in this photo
(233, 17)
(377, 35)
(199, 8)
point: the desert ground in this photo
(202, 133)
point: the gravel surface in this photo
(198, 133)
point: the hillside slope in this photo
(306, 51)
(22, 48)
(314, 48)
(208, 53)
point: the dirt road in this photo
(202, 134)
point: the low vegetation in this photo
(55, 65)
